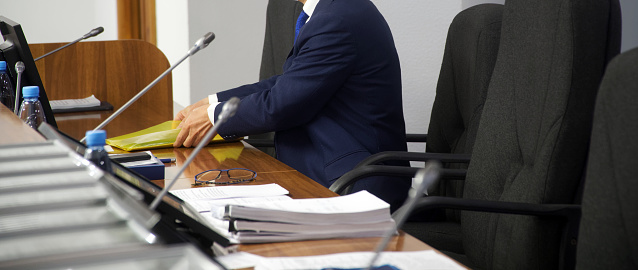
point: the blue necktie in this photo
(303, 17)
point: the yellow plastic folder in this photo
(159, 136)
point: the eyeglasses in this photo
(236, 175)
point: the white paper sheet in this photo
(229, 192)
(239, 260)
(406, 260)
(91, 101)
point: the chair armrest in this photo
(413, 137)
(413, 156)
(341, 185)
(260, 142)
(571, 213)
(271, 143)
(568, 211)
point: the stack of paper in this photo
(91, 101)
(273, 217)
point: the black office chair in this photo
(281, 17)
(608, 237)
(533, 136)
(468, 61)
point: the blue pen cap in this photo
(30, 91)
(95, 138)
(3, 65)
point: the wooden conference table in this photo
(216, 156)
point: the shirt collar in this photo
(309, 7)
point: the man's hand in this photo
(186, 111)
(194, 126)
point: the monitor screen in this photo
(15, 48)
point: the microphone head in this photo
(20, 67)
(208, 38)
(202, 42)
(228, 110)
(425, 177)
(94, 32)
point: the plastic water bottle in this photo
(95, 141)
(7, 92)
(31, 111)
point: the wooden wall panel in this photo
(113, 71)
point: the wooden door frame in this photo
(136, 19)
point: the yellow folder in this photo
(159, 136)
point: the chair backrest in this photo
(533, 137)
(281, 17)
(608, 237)
(468, 61)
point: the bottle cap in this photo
(3, 65)
(95, 138)
(30, 91)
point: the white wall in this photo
(232, 59)
(45, 21)
(629, 24)
(419, 29)
(173, 39)
(234, 56)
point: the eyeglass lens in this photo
(232, 174)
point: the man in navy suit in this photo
(337, 102)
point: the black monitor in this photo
(15, 48)
(176, 214)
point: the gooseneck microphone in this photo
(19, 69)
(200, 44)
(92, 33)
(423, 178)
(228, 110)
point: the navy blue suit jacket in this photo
(338, 100)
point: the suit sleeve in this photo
(245, 90)
(324, 59)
